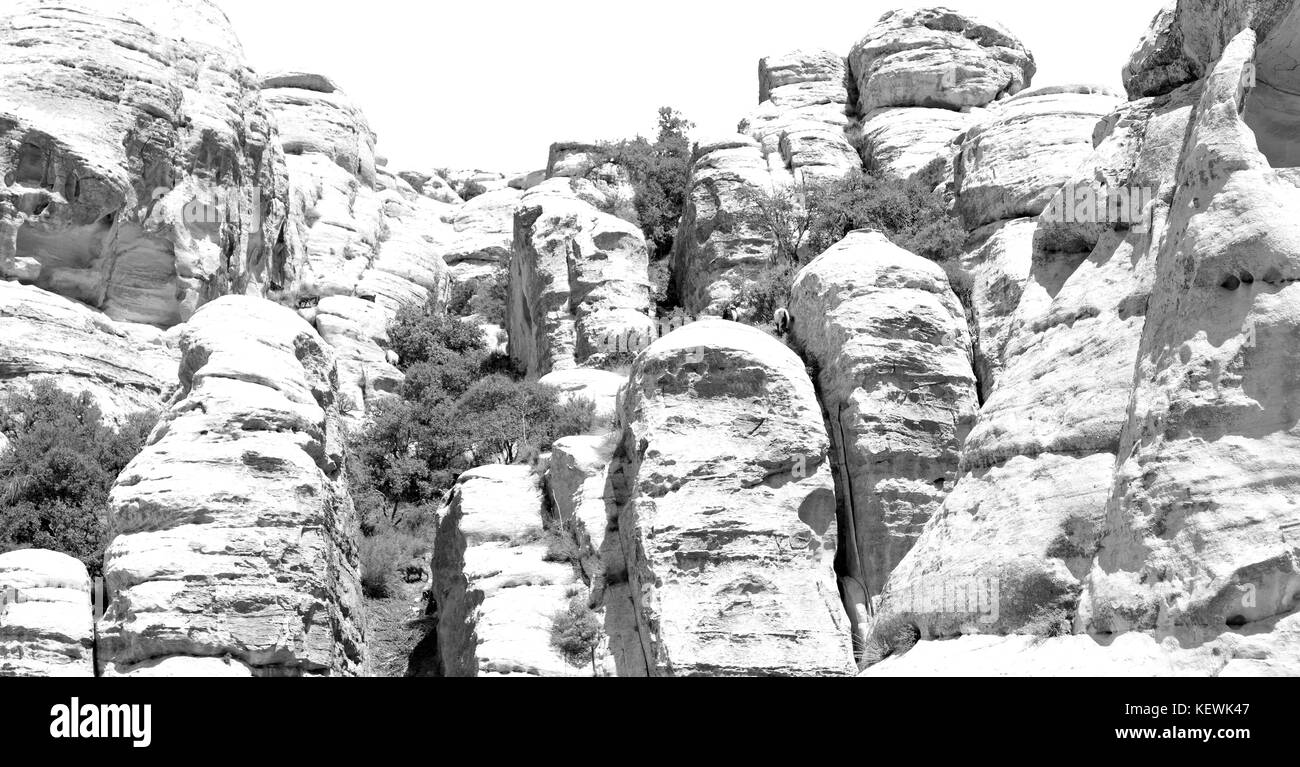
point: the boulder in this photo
(578, 282)
(936, 57)
(233, 534)
(47, 627)
(139, 169)
(495, 585)
(358, 332)
(478, 243)
(719, 554)
(892, 350)
(901, 142)
(577, 484)
(722, 241)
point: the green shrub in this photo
(576, 634)
(767, 291)
(472, 189)
(55, 477)
(381, 556)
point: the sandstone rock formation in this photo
(721, 241)
(1200, 531)
(890, 342)
(935, 57)
(719, 554)
(800, 122)
(47, 627)
(495, 587)
(141, 174)
(578, 282)
(128, 368)
(235, 536)
(316, 117)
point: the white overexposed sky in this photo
(491, 83)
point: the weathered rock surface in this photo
(600, 386)
(903, 141)
(358, 332)
(721, 241)
(47, 628)
(935, 57)
(1200, 534)
(578, 279)
(718, 558)
(577, 484)
(315, 116)
(141, 174)
(234, 533)
(481, 235)
(890, 342)
(127, 368)
(800, 122)
(494, 584)
(1159, 64)
(1012, 164)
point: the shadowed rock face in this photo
(46, 625)
(722, 535)
(893, 355)
(234, 535)
(140, 172)
(1199, 532)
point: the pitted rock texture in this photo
(494, 585)
(901, 142)
(801, 119)
(1048, 299)
(719, 555)
(127, 368)
(141, 173)
(891, 346)
(233, 532)
(935, 57)
(578, 280)
(1200, 531)
(47, 626)
(722, 241)
(1011, 164)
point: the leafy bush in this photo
(472, 189)
(576, 634)
(381, 555)
(766, 292)
(61, 463)
(660, 173)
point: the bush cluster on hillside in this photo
(55, 477)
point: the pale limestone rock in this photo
(903, 141)
(800, 122)
(495, 590)
(525, 181)
(1011, 164)
(127, 368)
(995, 271)
(358, 332)
(721, 240)
(890, 342)
(602, 387)
(315, 117)
(1159, 64)
(481, 235)
(234, 535)
(47, 628)
(935, 57)
(577, 483)
(140, 167)
(182, 667)
(1200, 533)
(718, 557)
(578, 280)
(431, 185)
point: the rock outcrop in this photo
(316, 117)
(722, 241)
(47, 627)
(127, 368)
(721, 540)
(141, 173)
(496, 585)
(800, 122)
(578, 283)
(234, 535)
(891, 346)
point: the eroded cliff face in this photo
(235, 539)
(46, 628)
(719, 554)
